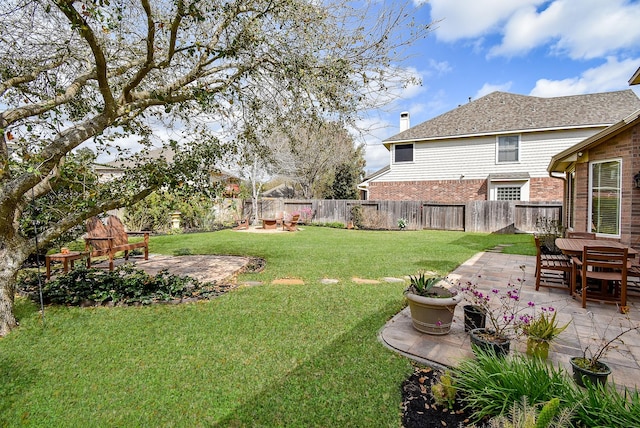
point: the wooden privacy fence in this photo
(474, 216)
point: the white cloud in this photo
(487, 88)
(612, 75)
(577, 28)
(469, 19)
(440, 67)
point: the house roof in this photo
(561, 161)
(501, 112)
(635, 79)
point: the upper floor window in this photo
(509, 148)
(403, 153)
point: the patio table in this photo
(574, 246)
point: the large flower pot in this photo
(537, 347)
(582, 374)
(487, 341)
(474, 317)
(432, 315)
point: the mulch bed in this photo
(419, 409)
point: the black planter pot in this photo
(474, 317)
(582, 375)
(486, 340)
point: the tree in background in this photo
(309, 155)
(143, 73)
(347, 176)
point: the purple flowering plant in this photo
(508, 315)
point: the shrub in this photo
(333, 224)
(606, 406)
(492, 384)
(124, 285)
(357, 216)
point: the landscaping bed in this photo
(419, 407)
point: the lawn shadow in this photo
(333, 398)
(16, 377)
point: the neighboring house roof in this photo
(363, 185)
(501, 112)
(561, 161)
(377, 173)
(280, 191)
(635, 79)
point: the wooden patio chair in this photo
(581, 235)
(242, 224)
(292, 225)
(606, 266)
(552, 270)
(111, 238)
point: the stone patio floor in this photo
(495, 269)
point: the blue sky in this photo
(528, 47)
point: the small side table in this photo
(66, 259)
(269, 223)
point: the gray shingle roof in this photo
(501, 111)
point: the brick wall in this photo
(454, 191)
(625, 145)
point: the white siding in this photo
(475, 157)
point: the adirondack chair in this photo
(292, 225)
(111, 238)
(242, 224)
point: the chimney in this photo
(404, 121)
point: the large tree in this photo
(309, 154)
(106, 71)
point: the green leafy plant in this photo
(544, 326)
(426, 286)
(357, 216)
(444, 390)
(125, 285)
(402, 223)
(492, 384)
(599, 406)
(524, 415)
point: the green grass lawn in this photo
(270, 355)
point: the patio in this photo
(495, 269)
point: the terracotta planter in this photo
(432, 315)
(474, 317)
(537, 347)
(487, 341)
(582, 374)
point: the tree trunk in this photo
(9, 265)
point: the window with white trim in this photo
(508, 149)
(508, 193)
(403, 153)
(605, 196)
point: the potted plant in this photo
(504, 317)
(431, 303)
(474, 317)
(540, 331)
(589, 366)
